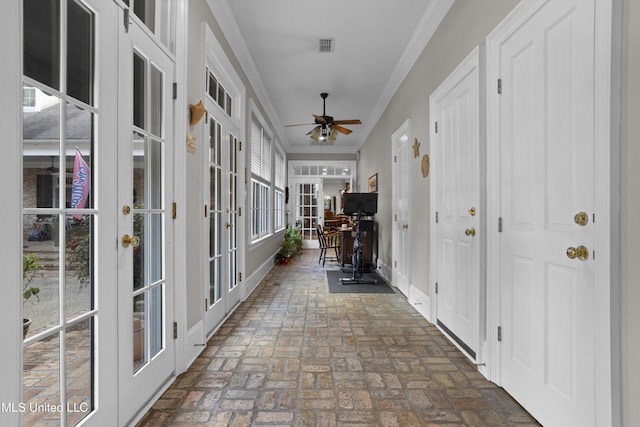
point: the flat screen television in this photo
(365, 203)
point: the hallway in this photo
(293, 354)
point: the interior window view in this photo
(249, 213)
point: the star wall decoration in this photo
(416, 147)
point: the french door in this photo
(456, 194)
(308, 210)
(222, 219)
(401, 270)
(68, 224)
(547, 145)
(144, 176)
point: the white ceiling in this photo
(376, 43)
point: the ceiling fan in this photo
(327, 128)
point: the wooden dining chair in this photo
(328, 241)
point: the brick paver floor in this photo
(293, 354)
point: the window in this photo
(278, 208)
(218, 93)
(28, 96)
(261, 147)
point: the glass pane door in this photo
(145, 310)
(308, 212)
(60, 143)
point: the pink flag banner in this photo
(81, 184)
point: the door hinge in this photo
(175, 330)
(245, 175)
(126, 20)
(395, 217)
(174, 210)
(395, 264)
(239, 145)
(239, 210)
(436, 217)
(206, 304)
(499, 86)
(436, 127)
(499, 333)
(395, 159)
(240, 277)
(499, 224)
(206, 213)
(175, 90)
(436, 287)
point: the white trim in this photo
(11, 216)
(252, 282)
(607, 279)
(421, 302)
(428, 24)
(225, 18)
(179, 185)
(433, 16)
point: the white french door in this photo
(308, 210)
(547, 143)
(401, 238)
(144, 176)
(456, 193)
(222, 274)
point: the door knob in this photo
(405, 226)
(132, 241)
(581, 218)
(580, 252)
(470, 232)
(472, 211)
(229, 225)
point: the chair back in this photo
(321, 239)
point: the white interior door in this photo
(145, 287)
(401, 238)
(222, 221)
(547, 207)
(456, 185)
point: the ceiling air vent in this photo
(326, 44)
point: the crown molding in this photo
(433, 16)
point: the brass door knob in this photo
(405, 226)
(472, 211)
(580, 252)
(470, 232)
(581, 218)
(132, 241)
(229, 225)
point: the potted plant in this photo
(290, 246)
(30, 267)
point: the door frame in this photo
(607, 202)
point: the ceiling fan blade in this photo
(300, 124)
(309, 133)
(347, 122)
(319, 119)
(341, 129)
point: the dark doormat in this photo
(336, 286)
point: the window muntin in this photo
(218, 93)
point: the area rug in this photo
(336, 286)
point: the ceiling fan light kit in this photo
(327, 129)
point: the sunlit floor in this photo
(293, 354)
